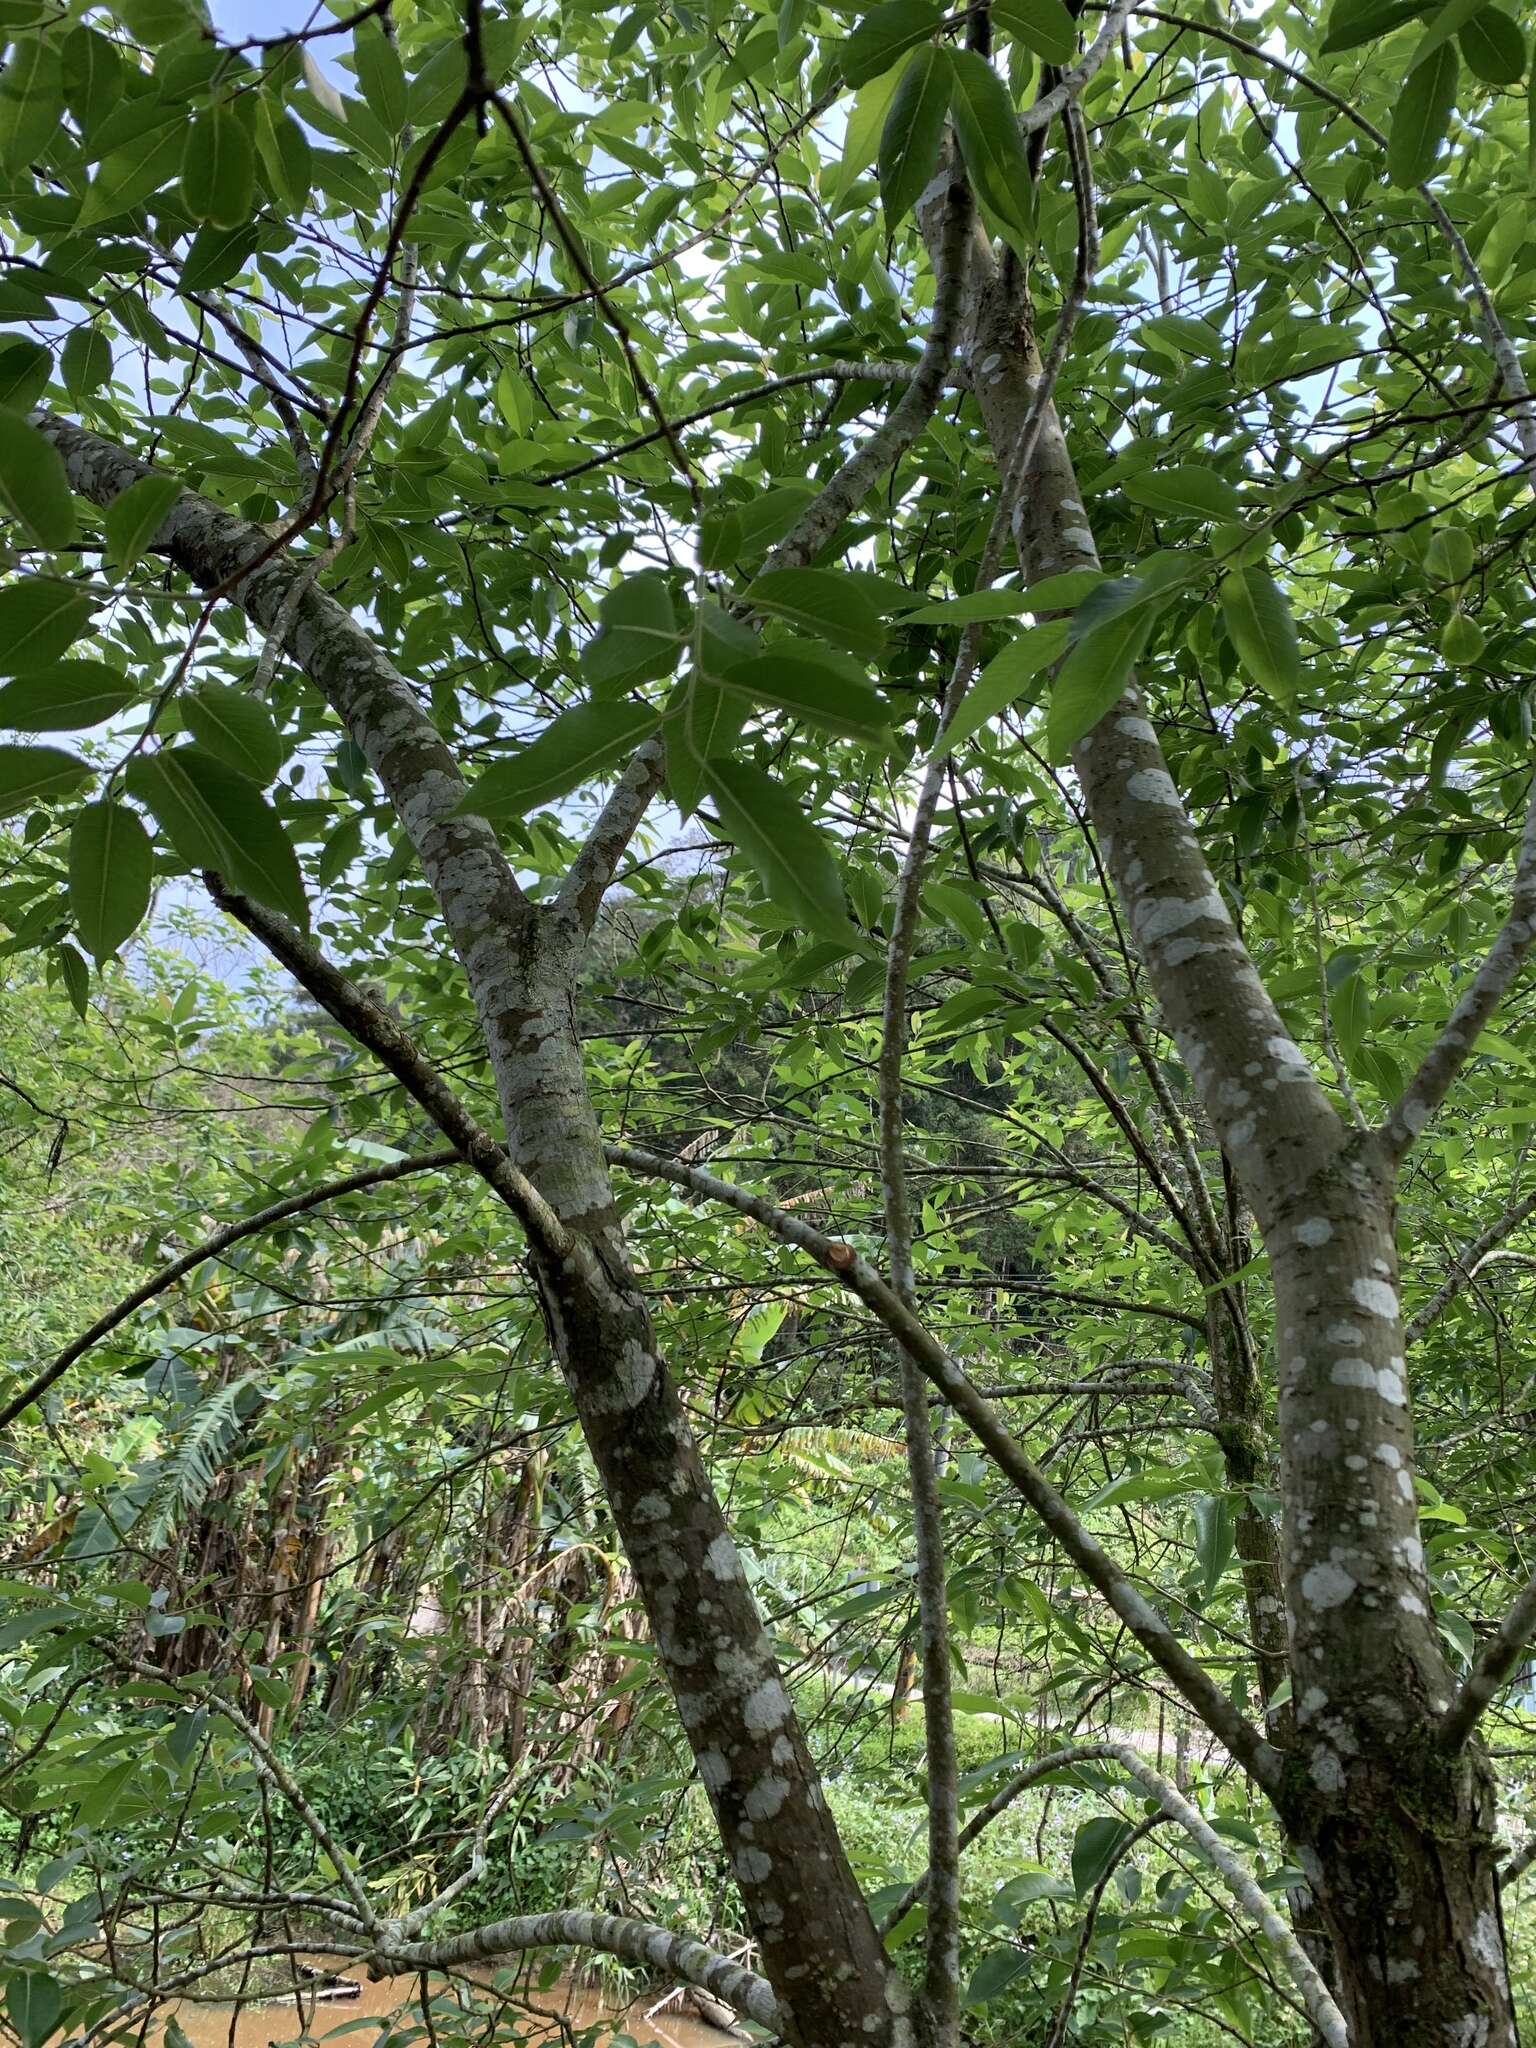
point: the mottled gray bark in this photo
(1394, 1833)
(521, 962)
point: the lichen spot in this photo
(1151, 785)
(767, 1707)
(1326, 1585)
(1314, 1232)
(1374, 1296)
(721, 1558)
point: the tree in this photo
(682, 407)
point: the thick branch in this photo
(584, 887)
(671, 1955)
(210, 1248)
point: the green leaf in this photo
(638, 638)
(1353, 22)
(39, 621)
(703, 724)
(1005, 678)
(34, 2005)
(1184, 491)
(794, 862)
(86, 361)
(28, 775)
(69, 698)
(975, 606)
(581, 743)
(216, 818)
(995, 1972)
(1044, 26)
(812, 679)
(111, 860)
(1451, 555)
(1262, 630)
(1095, 1847)
(1421, 117)
(218, 171)
(217, 255)
(987, 126)
(1448, 21)
(25, 367)
(1093, 677)
(913, 131)
(33, 485)
(1493, 47)
(886, 33)
(380, 75)
(133, 518)
(31, 99)
(826, 602)
(235, 727)
(861, 136)
(1214, 1538)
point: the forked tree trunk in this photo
(1394, 1833)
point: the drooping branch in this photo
(1464, 1266)
(1231, 1728)
(1459, 1034)
(212, 1247)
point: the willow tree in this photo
(461, 451)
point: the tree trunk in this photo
(1394, 1835)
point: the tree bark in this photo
(521, 961)
(1395, 1835)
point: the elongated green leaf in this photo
(86, 361)
(794, 862)
(1044, 26)
(381, 76)
(861, 136)
(886, 33)
(987, 125)
(1092, 678)
(68, 698)
(28, 775)
(218, 172)
(133, 519)
(1005, 678)
(810, 678)
(1262, 630)
(1353, 22)
(1184, 491)
(33, 485)
(111, 860)
(703, 723)
(824, 601)
(977, 605)
(216, 818)
(1421, 118)
(1213, 1521)
(235, 727)
(580, 744)
(25, 367)
(913, 131)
